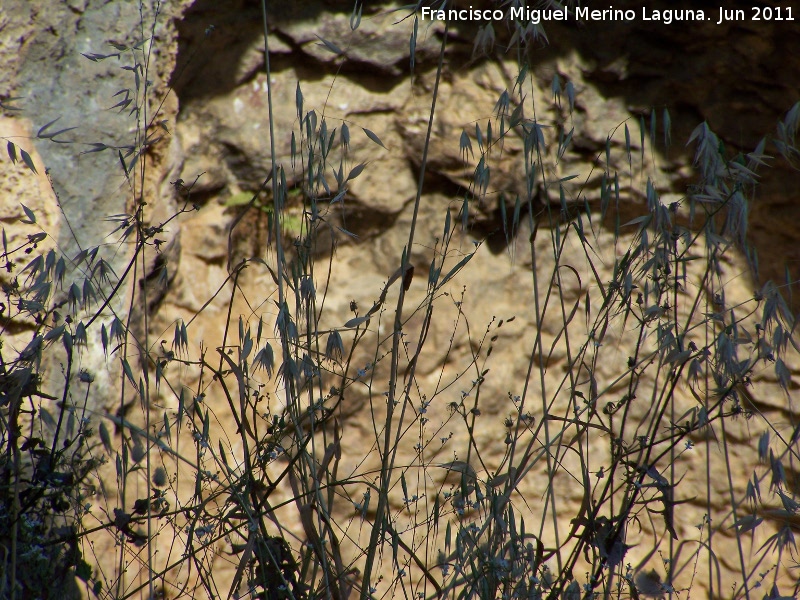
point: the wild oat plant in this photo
(282, 501)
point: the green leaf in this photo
(96, 147)
(641, 135)
(433, 273)
(128, 373)
(628, 143)
(570, 90)
(641, 219)
(412, 47)
(465, 144)
(355, 16)
(355, 322)
(222, 454)
(331, 46)
(516, 116)
(347, 233)
(374, 138)
(122, 162)
(355, 171)
(555, 87)
(523, 73)
(239, 199)
(12, 152)
(747, 523)
(456, 269)
(104, 338)
(564, 142)
(28, 213)
(26, 158)
(50, 136)
(6, 104)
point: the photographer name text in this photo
(665, 16)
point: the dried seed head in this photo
(334, 349)
(265, 359)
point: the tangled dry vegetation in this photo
(283, 497)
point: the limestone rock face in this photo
(205, 98)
